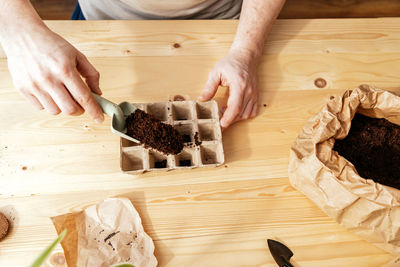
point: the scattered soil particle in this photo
(332, 97)
(110, 236)
(197, 141)
(4, 226)
(185, 162)
(109, 243)
(153, 133)
(373, 147)
(176, 45)
(24, 168)
(160, 164)
(265, 105)
(190, 144)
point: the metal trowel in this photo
(117, 114)
(280, 252)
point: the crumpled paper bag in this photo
(366, 208)
(105, 234)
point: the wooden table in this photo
(203, 217)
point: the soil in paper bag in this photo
(373, 147)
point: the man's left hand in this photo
(237, 70)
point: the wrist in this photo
(20, 34)
(247, 53)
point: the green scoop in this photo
(117, 113)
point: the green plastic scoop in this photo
(117, 114)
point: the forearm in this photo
(256, 20)
(17, 18)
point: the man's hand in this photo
(238, 71)
(47, 70)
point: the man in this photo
(48, 71)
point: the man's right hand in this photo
(47, 71)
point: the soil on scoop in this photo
(153, 133)
(4, 225)
(373, 147)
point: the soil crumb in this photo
(197, 141)
(4, 226)
(153, 133)
(373, 147)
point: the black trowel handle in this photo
(286, 263)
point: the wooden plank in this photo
(300, 9)
(214, 38)
(232, 218)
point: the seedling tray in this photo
(188, 118)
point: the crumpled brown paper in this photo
(369, 209)
(105, 234)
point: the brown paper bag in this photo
(366, 208)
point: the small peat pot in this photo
(4, 226)
(346, 160)
(196, 122)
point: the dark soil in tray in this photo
(153, 133)
(160, 164)
(373, 147)
(186, 138)
(185, 163)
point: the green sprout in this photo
(45, 254)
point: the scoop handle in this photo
(111, 109)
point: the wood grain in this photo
(195, 225)
(213, 38)
(214, 217)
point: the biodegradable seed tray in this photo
(188, 118)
